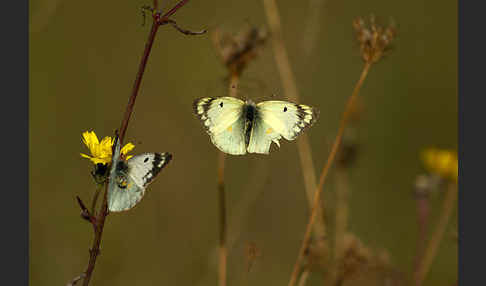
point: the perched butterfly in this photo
(237, 127)
(128, 179)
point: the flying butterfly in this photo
(128, 179)
(237, 127)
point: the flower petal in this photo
(127, 148)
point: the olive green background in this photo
(83, 59)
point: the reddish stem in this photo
(100, 220)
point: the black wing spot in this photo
(221, 104)
(146, 159)
(285, 109)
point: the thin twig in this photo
(184, 31)
(325, 170)
(422, 201)
(303, 277)
(76, 279)
(223, 251)
(342, 211)
(312, 28)
(158, 20)
(95, 198)
(291, 92)
(222, 222)
(434, 242)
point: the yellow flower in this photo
(441, 162)
(101, 152)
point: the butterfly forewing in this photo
(288, 119)
(143, 168)
(224, 122)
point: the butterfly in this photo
(128, 179)
(237, 127)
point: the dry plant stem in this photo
(291, 92)
(434, 242)
(312, 27)
(325, 170)
(341, 223)
(95, 199)
(222, 222)
(303, 277)
(76, 280)
(95, 249)
(422, 201)
(100, 220)
(223, 251)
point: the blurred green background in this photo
(83, 61)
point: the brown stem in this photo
(438, 234)
(76, 280)
(100, 220)
(303, 278)
(95, 249)
(291, 92)
(325, 170)
(223, 251)
(341, 219)
(222, 222)
(422, 200)
(138, 79)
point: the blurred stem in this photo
(325, 170)
(222, 221)
(312, 28)
(223, 251)
(303, 277)
(436, 238)
(158, 20)
(290, 88)
(422, 201)
(342, 211)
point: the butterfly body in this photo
(237, 127)
(129, 179)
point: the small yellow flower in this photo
(101, 152)
(441, 162)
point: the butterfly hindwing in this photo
(262, 136)
(224, 122)
(128, 179)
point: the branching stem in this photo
(158, 20)
(325, 171)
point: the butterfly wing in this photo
(276, 119)
(124, 198)
(138, 172)
(262, 136)
(224, 122)
(143, 168)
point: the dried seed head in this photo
(237, 51)
(316, 254)
(374, 40)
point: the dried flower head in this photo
(316, 254)
(374, 40)
(237, 51)
(101, 152)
